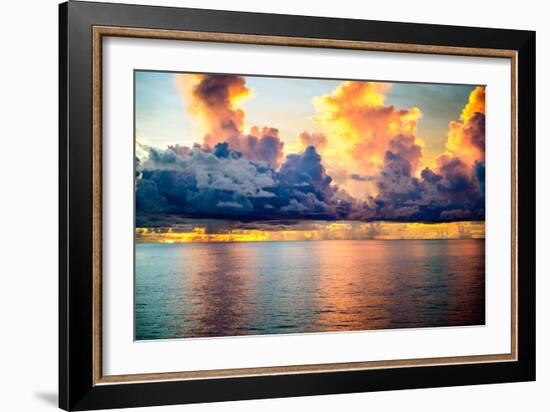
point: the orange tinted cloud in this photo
(466, 137)
(476, 103)
(214, 102)
(359, 126)
(317, 140)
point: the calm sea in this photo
(229, 289)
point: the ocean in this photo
(192, 290)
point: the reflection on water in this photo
(230, 289)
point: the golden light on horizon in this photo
(342, 230)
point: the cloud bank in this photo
(224, 183)
(245, 176)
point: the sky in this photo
(162, 119)
(254, 149)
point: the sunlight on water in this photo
(230, 289)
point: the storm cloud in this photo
(370, 146)
(214, 102)
(224, 183)
(453, 190)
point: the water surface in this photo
(230, 289)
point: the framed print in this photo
(257, 205)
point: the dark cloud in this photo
(453, 191)
(307, 187)
(403, 155)
(474, 129)
(479, 170)
(222, 183)
(262, 144)
(148, 198)
(217, 90)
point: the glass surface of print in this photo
(269, 205)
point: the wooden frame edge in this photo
(97, 228)
(514, 203)
(297, 369)
(98, 32)
(297, 41)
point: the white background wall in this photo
(28, 203)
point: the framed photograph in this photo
(257, 205)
